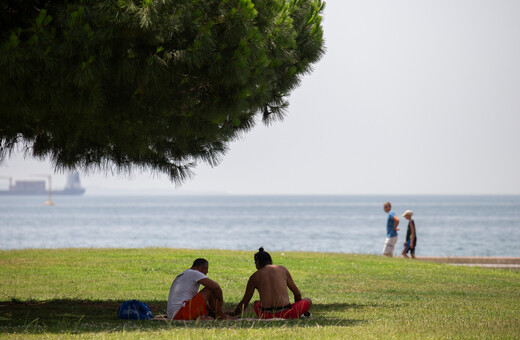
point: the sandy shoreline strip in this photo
(476, 261)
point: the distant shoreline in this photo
(476, 261)
(463, 260)
(471, 259)
(448, 259)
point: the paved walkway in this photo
(470, 261)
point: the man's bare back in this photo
(272, 282)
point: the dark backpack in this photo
(134, 310)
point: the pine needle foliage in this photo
(151, 84)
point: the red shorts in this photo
(193, 309)
(292, 312)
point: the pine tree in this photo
(152, 84)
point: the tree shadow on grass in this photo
(82, 316)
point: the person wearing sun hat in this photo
(411, 235)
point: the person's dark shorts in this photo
(408, 249)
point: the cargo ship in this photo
(73, 187)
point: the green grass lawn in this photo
(76, 293)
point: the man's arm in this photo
(412, 232)
(292, 287)
(214, 287)
(250, 290)
(396, 223)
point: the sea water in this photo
(446, 225)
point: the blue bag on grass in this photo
(134, 310)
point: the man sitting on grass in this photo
(185, 302)
(272, 282)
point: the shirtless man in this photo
(272, 282)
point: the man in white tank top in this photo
(185, 302)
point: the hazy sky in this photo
(412, 97)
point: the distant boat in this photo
(73, 187)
